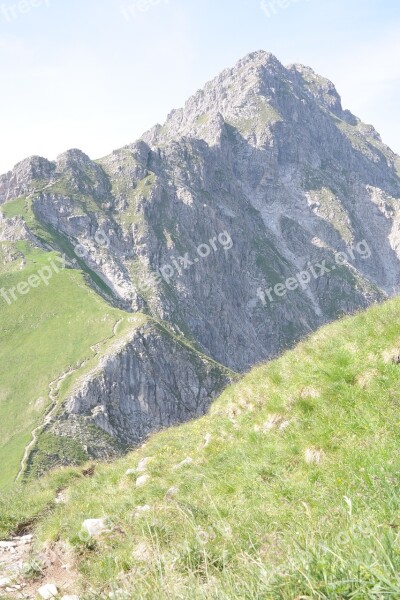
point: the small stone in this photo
(172, 492)
(184, 463)
(207, 440)
(130, 472)
(142, 509)
(95, 527)
(4, 582)
(142, 480)
(142, 553)
(61, 498)
(48, 591)
(313, 456)
(7, 545)
(24, 541)
(142, 466)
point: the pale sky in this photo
(95, 74)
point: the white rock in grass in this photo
(207, 440)
(8, 545)
(48, 591)
(184, 463)
(142, 553)
(4, 582)
(142, 466)
(95, 527)
(313, 456)
(130, 472)
(61, 497)
(142, 509)
(173, 491)
(142, 480)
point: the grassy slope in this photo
(250, 517)
(70, 317)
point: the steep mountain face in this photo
(258, 212)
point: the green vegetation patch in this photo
(44, 333)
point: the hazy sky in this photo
(95, 74)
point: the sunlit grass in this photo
(252, 516)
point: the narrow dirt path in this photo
(54, 388)
(17, 557)
(23, 572)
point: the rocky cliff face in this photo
(147, 382)
(256, 213)
(152, 382)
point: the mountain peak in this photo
(72, 156)
(232, 96)
(21, 179)
(259, 57)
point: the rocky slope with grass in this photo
(79, 378)
(258, 212)
(287, 489)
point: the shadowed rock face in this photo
(145, 383)
(143, 392)
(260, 177)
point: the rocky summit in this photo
(258, 212)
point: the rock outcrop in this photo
(148, 382)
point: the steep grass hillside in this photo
(288, 488)
(45, 332)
